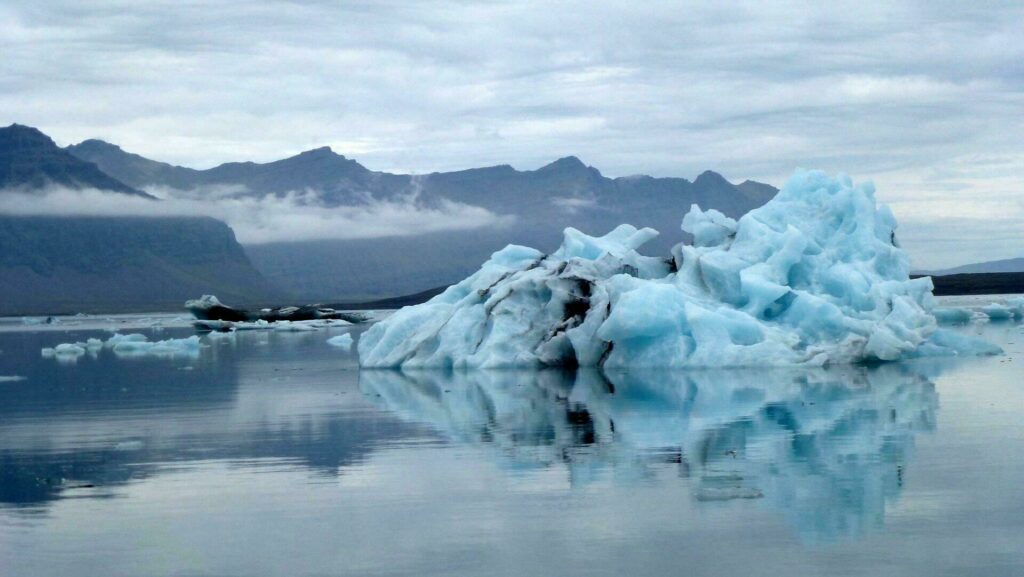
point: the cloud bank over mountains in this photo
(263, 219)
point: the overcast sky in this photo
(924, 98)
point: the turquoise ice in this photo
(814, 277)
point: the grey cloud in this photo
(889, 91)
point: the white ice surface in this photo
(341, 341)
(126, 345)
(813, 277)
(1010, 309)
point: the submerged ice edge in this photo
(816, 276)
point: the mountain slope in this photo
(58, 264)
(68, 263)
(30, 160)
(133, 169)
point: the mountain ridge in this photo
(31, 161)
(323, 169)
(541, 202)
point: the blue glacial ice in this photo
(814, 277)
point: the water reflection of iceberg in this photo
(827, 447)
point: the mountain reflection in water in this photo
(826, 447)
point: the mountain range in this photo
(537, 205)
(534, 207)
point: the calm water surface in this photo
(272, 454)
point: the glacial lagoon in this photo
(271, 453)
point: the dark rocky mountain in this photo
(106, 264)
(131, 168)
(541, 202)
(30, 160)
(567, 183)
(51, 264)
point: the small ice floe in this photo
(1003, 312)
(130, 345)
(222, 336)
(70, 352)
(953, 315)
(341, 341)
(188, 346)
(11, 378)
(1010, 310)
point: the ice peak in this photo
(812, 277)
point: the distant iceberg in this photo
(814, 277)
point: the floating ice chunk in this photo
(167, 348)
(69, 349)
(223, 336)
(119, 338)
(1001, 312)
(67, 353)
(341, 341)
(125, 345)
(953, 315)
(1011, 309)
(813, 277)
(943, 341)
(296, 326)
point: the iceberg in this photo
(814, 277)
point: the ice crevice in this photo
(814, 277)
